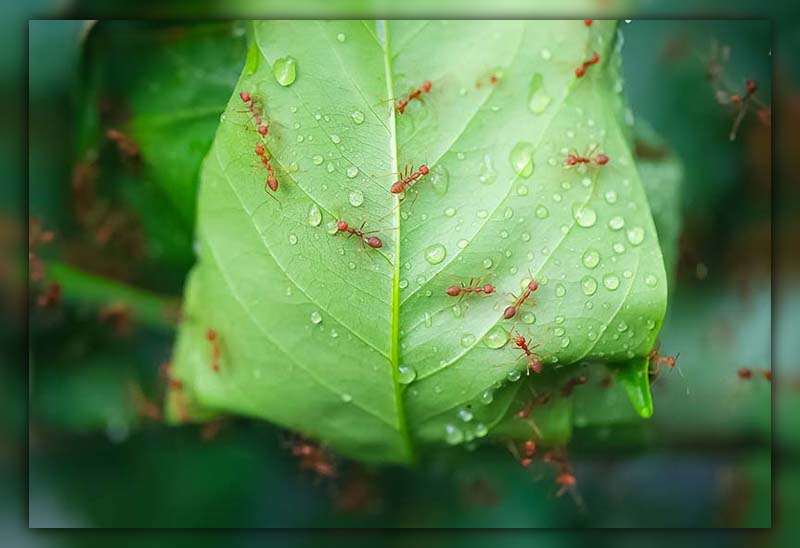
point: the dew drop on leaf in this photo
(440, 178)
(591, 258)
(496, 337)
(292, 239)
(435, 253)
(403, 284)
(467, 340)
(331, 227)
(611, 197)
(487, 263)
(341, 37)
(336, 139)
(465, 414)
(611, 281)
(542, 212)
(528, 317)
(347, 398)
(514, 375)
(618, 248)
(453, 435)
(285, 70)
(565, 342)
(406, 374)
(588, 285)
(480, 430)
(651, 280)
(356, 198)
(317, 159)
(314, 215)
(585, 216)
(487, 397)
(316, 317)
(636, 235)
(521, 158)
(357, 116)
(352, 171)
(616, 222)
(486, 173)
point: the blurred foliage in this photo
(704, 460)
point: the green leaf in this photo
(361, 347)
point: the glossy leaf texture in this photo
(362, 348)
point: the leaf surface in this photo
(361, 347)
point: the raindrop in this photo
(487, 397)
(591, 258)
(622, 326)
(467, 340)
(585, 216)
(611, 197)
(546, 55)
(356, 198)
(292, 239)
(453, 435)
(285, 70)
(341, 37)
(514, 375)
(331, 227)
(357, 116)
(522, 190)
(428, 319)
(618, 248)
(481, 430)
(521, 158)
(589, 285)
(651, 280)
(403, 284)
(406, 374)
(559, 331)
(347, 398)
(486, 173)
(465, 414)
(435, 254)
(482, 213)
(611, 281)
(565, 342)
(440, 179)
(560, 290)
(336, 139)
(616, 222)
(508, 213)
(462, 244)
(542, 212)
(635, 235)
(496, 337)
(330, 167)
(317, 159)
(487, 263)
(650, 324)
(525, 237)
(314, 215)
(528, 317)
(316, 318)
(450, 211)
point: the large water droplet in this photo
(285, 70)
(585, 216)
(611, 281)
(565, 342)
(406, 374)
(352, 171)
(465, 414)
(487, 263)
(467, 340)
(528, 317)
(356, 198)
(453, 435)
(591, 258)
(480, 430)
(635, 235)
(487, 397)
(496, 337)
(514, 375)
(589, 285)
(435, 254)
(521, 158)
(486, 173)
(316, 317)
(314, 215)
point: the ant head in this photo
(260, 150)
(580, 71)
(530, 447)
(454, 291)
(571, 160)
(424, 169)
(488, 289)
(211, 334)
(262, 129)
(374, 242)
(533, 285)
(601, 159)
(595, 58)
(426, 86)
(342, 226)
(245, 97)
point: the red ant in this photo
(656, 360)
(211, 337)
(471, 287)
(175, 386)
(511, 310)
(372, 241)
(581, 70)
(526, 410)
(572, 383)
(574, 159)
(248, 100)
(746, 373)
(565, 478)
(535, 364)
(408, 179)
(272, 181)
(416, 94)
(525, 456)
(587, 22)
(314, 458)
(492, 79)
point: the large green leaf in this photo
(361, 347)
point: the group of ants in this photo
(314, 457)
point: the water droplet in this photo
(559, 331)
(403, 283)
(462, 244)
(334, 334)
(618, 248)
(453, 435)
(496, 337)
(300, 138)
(481, 430)
(316, 317)
(651, 280)
(317, 159)
(589, 285)
(522, 190)
(467, 340)
(347, 398)
(557, 197)
(521, 158)
(610, 281)
(635, 235)
(352, 171)
(435, 254)
(285, 70)
(487, 397)
(331, 228)
(611, 197)
(336, 139)
(591, 258)
(356, 198)
(314, 215)
(406, 374)
(622, 326)
(565, 342)
(486, 173)
(460, 155)
(428, 319)
(514, 375)
(538, 101)
(542, 212)
(627, 274)
(341, 37)
(528, 317)
(440, 178)
(357, 116)
(560, 290)
(330, 167)
(456, 310)
(450, 211)
(525, 237)
(650, 324)
(292, 239)
(487, 263)
(504, 234)
(465, 414)
(585, 216)
(616, 222)
(546, 55)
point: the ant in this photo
(655, 360)
(746, 373)
(525, 456)
(272, 180)
(535, 364)
(511, 310)
(572, 383)
(593, 60)
(472, 287)
(250, 102)
(313, 457)
(492, 79)
(587, 22)
(408, 179)
(574, 159)
(211, 337)
(526, 410)
(416, 94)
(175, 386)
(372, 241)
(565, 478)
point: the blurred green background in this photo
(704, 460)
